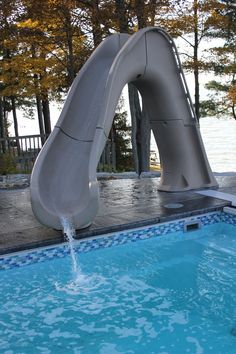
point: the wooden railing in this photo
(23, 150)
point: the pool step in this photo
(220, 195)
(230, 210)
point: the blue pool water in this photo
(170, 294)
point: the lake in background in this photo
(219, 137)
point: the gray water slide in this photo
(63, 182)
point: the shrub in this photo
(7, 164)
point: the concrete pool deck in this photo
(124, 203)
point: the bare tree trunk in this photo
(40, 119)
(5, 116)
(39, 110)
(38, 101)
(195, 61)
(145, 140)
(232, 83)
(141, 132)
(96, 27)
(2, 128)
(122, 17)
(46, 115)
(70, 55)
(234, 111)
(140, 12)
(153, 5)
(70, 62)
(15, 122)
(13, 106)
(135, 113)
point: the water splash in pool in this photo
(80, 282)
(69, 232)
(83, 283)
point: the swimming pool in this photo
(170, 294)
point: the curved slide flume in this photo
(63, 181)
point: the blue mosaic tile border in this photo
(83, 246)
(228, 218)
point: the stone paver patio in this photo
(124, 203)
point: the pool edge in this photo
(27, 257)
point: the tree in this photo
(3, 124)
(120, 132)
(49, 49)
(189, 21)
(8, 92)
(222, 26)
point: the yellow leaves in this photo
(179, 25)
(9, 43)
(19, 74)
(29, 23)
(217, 19)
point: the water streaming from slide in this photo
(80, 282)
(69, 232)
